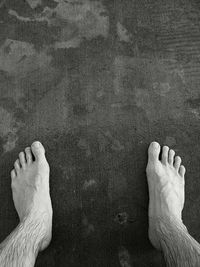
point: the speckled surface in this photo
(96, 81)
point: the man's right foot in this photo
(30, 189)
(166, 188)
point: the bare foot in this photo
(30, 189)
(166, 188)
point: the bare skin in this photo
(166, 200)
(30, 190)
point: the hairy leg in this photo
(166, 200)
(30, 189)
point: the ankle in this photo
(159, 227)
(39, 227)
(168, 220)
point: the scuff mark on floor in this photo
(8, 129)
(34, 3)
(77, 21)
(148, 85)
(89, 184)
(124, 257)
(123, 34)
(19, 58)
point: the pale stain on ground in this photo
(124, 257)
(122, 32)
(76, 21)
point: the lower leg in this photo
(166, 200)
(30, 189)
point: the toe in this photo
(38, 151)
(154, 151)
(165, 151)
(17, 165)
(29, 157)
(171, 156)
(182, 170)
(177, 162)
(22, 159)
(13, 174)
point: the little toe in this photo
(29, 157)
(38, 151)
(22, 159)
(177, 162)
(17, 165)
(182, 170)
(13, 174)
(171, 156)
(154, 151)
(165, 152)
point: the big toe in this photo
(38, 151)
(154, 151)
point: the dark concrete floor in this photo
(96, 81)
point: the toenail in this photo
(36, 144)
(155, 144)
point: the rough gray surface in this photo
(96, 81)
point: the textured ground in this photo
(96, 81)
